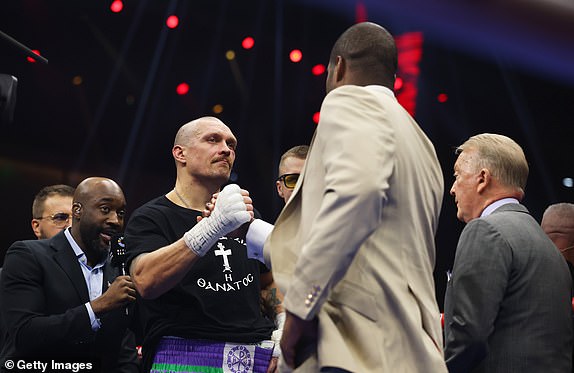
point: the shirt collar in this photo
(381, 88)
(80, 255)
(496, 204)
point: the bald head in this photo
(558, 224)
(559, 218)
(194, 128)
(95, 185)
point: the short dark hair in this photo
(370, 50)
(48, 191)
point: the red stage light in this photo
(360, 12)
(248, 43)
(318, 69)
(316, 117)
(172, 21)
(398, 84)
(410, 47)
(296, 55)
(182, 88)
(32, 60)
(442, 98)
(116, 6)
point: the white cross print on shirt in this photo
(221, 252)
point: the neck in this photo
(192, 195)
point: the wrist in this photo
(198, 239)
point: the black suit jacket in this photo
(43, 293)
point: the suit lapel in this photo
(66, 259)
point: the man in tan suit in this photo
(354, 246)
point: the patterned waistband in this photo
(178, 355)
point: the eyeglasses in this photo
(289, 180)
(60, 219)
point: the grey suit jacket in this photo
(354, 246)
(508, 303)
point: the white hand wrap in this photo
(229, 213)
(278, 333)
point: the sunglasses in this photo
(60, 219)
(289, 180)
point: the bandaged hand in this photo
(229, 213)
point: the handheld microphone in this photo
(118, 251)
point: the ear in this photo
(178, 153)
(484, 180)
(340, 69)
(279, 188)
(36, 228)
(76, 210)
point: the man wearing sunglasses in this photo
(52, 210)
(290, 167)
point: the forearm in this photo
(161, 270)
(157, 272)
(272, 296)
(35, 332)
(464, 356)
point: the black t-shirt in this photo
(218, 299)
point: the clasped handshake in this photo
(227, 211)
(233, 208)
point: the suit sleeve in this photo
(356, 144)
(127, 356)
(474, 294)
(27, 310)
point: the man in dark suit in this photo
(507, 304)
(61, 299)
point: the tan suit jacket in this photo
(355, 244)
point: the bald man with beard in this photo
(61, 298)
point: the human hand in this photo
(120, 293)
(299, 339)
(233, 208)
(273, 365)
(209, 207)
(242, 230)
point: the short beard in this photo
(95, 246)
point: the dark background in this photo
(506, 66)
